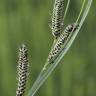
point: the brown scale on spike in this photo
(60, 42)
(22, 71)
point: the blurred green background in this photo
(27, 21)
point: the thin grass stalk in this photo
(66, 10)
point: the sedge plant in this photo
(63, 39)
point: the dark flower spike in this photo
(22, 70)
(57, 48)
(57, 18)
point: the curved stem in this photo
(81, 11)
(66, 9)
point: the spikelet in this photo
(22, 71)
(60, 42)
(57, 18)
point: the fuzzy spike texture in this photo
(58, 47)
(22, 71)
(57, 18)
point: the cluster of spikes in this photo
(60, 35)
(22, 70)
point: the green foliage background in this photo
(27, 21)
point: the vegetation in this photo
(27, 21)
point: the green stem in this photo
(66, 9)
(81, 11)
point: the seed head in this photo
(22, 70)
(57, 48)
(57, 18)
